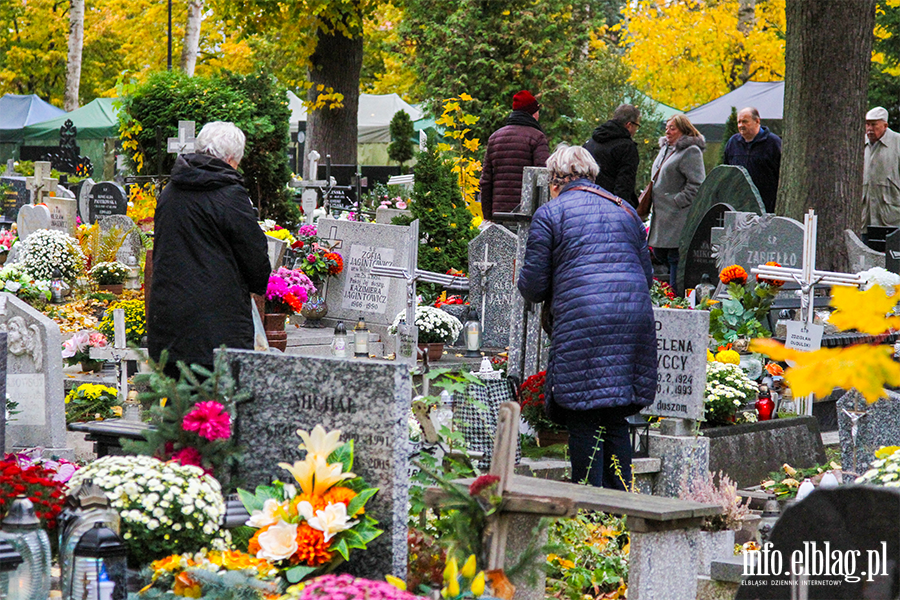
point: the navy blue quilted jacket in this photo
(589, 257)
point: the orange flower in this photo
(312, 549)
(774, 369)
(341, 494)
(772, 282)
(735, 273)
(317, 502)
(186, 586)
(334, 270)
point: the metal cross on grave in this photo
(808, 277)
(41, 184)
(184, 143)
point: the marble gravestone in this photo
(63, 211)
(367, 400)
(700, 258)
(750, 240)
(492, 260)
(32, 217)
(861, 257)
(355, 291)
(681, 339)
(876, 425)
(105, 199)
(725, 184)
(34, 378)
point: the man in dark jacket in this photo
(520, 143)
(759, 151)
(616, 154)
(209, 254)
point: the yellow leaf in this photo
(446, 120)
(864, 311)
(471, 145)
(465, 97)
(469, 119)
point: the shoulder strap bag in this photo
(645, 200)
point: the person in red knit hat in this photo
(518, 144)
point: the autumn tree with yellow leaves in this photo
(688, 52)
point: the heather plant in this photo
(724, 493)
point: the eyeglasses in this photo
(635, 123)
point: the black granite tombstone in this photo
(892, 252)
(699, 258)
(105, 199)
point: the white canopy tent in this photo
(767, 97)
(374, 115)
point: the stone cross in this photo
(10, 168)
(184, 143)
(41, 184)
(808, 277)
(332, 241)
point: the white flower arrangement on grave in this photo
(880, 276)
(885, 470)
(15, 280)
(109, 273)
(46, 250)
(165, 508)
(727, 388)
(435, 325)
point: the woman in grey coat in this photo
(680, 169)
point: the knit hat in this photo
(526, 102)
(877, 114)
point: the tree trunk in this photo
(73, 63)
(191, 37)
(336, 64)
(827, 55)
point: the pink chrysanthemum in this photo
(209, 420)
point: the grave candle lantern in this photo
(361, 339)
(9, 564)
(473, 334)
(339, 341)
(22, 529)
(99, 566)
(133, 279)
(639, 428)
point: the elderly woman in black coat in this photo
(209, 254)
(587, 256)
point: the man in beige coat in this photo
(881, 178)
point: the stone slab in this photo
(33, 377)
(879, 426)
(727, 569)
(663, 565)
(492, 260)
(725, 184)
(861, 256)
(682, 459)
(384, 216)
(355, 291)
(367, 400)
(748, 453)
(681, 339)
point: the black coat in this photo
(209, 254)
(617, 154)
(761, 156)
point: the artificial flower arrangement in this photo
(77, 348)
(271, 228)
(396, 202)
(318, 262)
(307, 235)
(663, 296)
(212, 574)
(163, 506)
(742, 314)
(885, 469)
(288, 289)
(135, 321)
(435, 325)
(445, 299)
(785, 483)
(43, 484)
(92, 402)
(311, 532)
(7, 239)
(727, 388)
(15, 280)
(347, 587)
(109, 273)
(47, 250)
(531, 399)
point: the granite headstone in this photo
(892, 252)
(3, 390)
(83, 190)
(681, 339)
(750, 240)
(862, 258)
(355, 291)
(699, 258)
(131, 244)
(105, 199)
(63, 211)
(17, 195)
(725, 184)
(876, 425)
(492, 260)
(367, 400)
(34, 378)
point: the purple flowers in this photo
(347, 587)
(307, 231)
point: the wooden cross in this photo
(184, 143)
(808, 277)
(41, 184)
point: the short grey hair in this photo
(569, 163)
(753, 112)
(222, 140)
(627, 113)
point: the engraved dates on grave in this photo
(681, 338)
(363, 291)
(106, 198)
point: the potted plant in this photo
(77, 349)
(436, 328)
(727, 388)
(92, 402)
(287, 291)
(741, 316)
(532, 398)
(109, 276)
(717, 532)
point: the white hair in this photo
(222, 140)
(569, 163)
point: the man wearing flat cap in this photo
(518, 144)
(881, 178)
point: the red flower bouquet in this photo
(531, 399)
(34, 481)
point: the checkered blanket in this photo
(475, 414)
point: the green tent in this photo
(97, 133)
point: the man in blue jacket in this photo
(759, 151)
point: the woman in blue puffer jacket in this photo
(587, 255)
